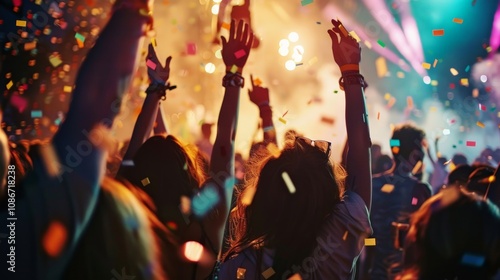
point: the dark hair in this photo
(479, 179)
(458, 159)
(410, 147)
(460, 175)
(382, 164)
(269, 215)
(166, 170)
(454, 234)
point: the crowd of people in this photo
(162, 209)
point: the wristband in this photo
(356, 79)
(268, 128)
(349, 67)
(160, 89)
(233, 80)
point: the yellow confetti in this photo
(464, 82)
(312, 61)
(20, 23)
(387, 188)
(475, 93)
(400, 74)
(288, 182)
(433, 109)
(240, 273)
(55, 60)
(368, 44)
(435, 63)
(453, 71)
(268, 273)
(273, 149)
(282, 120)
(434, 83)
(458, 20)
(9, 85)
(153, 41)
(387, 96)
(68, 88)
(355, 36)
(480, 124)
(417, 167)
(491, 179)
(426, 65)
(234, 68)
(381, 66)
(145, 182)
(370, 242)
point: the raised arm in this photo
(57, 207)
(235, 51)
(161, 126)
(347, 55)
(158, 76)
(260, 97)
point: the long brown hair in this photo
(268, 214)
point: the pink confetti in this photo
(470, 143)
(151, 64)
(240, 53)
(414, 201)
(191, 48)
(19, 102)
(482, 107)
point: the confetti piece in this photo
(470, 143)
(409, 102)
(491, 179)
(480, 124)
(438, 32)
(55, 60)
(296, 276)
(30, 46)
(193, 251)
(288, 182)
(191, 48)
(240, 53)
(185, 167)
(171, 225)
(306, 2)
(381, 43)
(368, 44)
(417, 167)
(205, 200)
(67, 88)
(185, 205)
(240, 273)
(473, 260)
(226, 25)
(355, 36)
(153, 42)
(435, 63)
(381, 66)
(458, 20)
(79, 37)
(327, 120)
(343, 30)
(475, 93)
(151, 64)
(378, 116)
(400, 74)
(426, 65)
(387, 96)
(234, 68)
(285, 114)
(370, 242)
(387, 188)
(414, 201)
(391, 102)
(273, 149)
(19, 102)
(467, 68)
(54, 238)
(282, 120)
(345, 235)
(257, 82)
(268, 273)
(9, 84)
(482, 107)
(36, 114)
(395, 150)
(464, 82)
(453, 71)
(20, 23)
(145, 182)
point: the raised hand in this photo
(345, 48)
(157, 73)
(236, 49)
(258, 95)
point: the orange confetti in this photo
(458, 20)
(54, 239)
(378, 116)
(226, 25)
(426, 65)
(438, 32)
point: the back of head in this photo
(118, 239)
(480, 179)
(167, 170)
(460, 175)
(459, 158)
(454, 234)
(286, 216)
(407, 145)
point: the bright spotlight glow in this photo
(215, 9)
(284, 43)
(283, 51)
(218, 53)
(427, 80)
(293, 37)
(298, 49)
(446, 131)
(193, 251)
(217, 1)
(483, 78)
(297, 57)
(290, 65)
(209, 68)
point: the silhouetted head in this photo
(166, 170)
(454, 235)
(382, 164)
(479, 179)
(459, 158)
(460, 175)
(407, 146)
(286, 216)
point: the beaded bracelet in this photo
(356, 79)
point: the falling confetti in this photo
(145, 182)
(370, 242)
(268, 273)
(54, 238)
(438, 32)
(387, 188)
(426, 65)
(458, 20)
(288, 182)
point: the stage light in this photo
(209, 68)
(290, 65)
(215, 9)
(284, 43)
(283, 51)
(483, 78)
(427, 80)
(193, 251)
(298, 49)
(217, 1)
(293, 37)
(218, 53)
(446, 131)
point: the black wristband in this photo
(160, 89)
(233, 80)
(353, 79)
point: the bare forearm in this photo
(161, 125)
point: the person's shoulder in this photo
(423, 187)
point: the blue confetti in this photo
(467, 68)
(205, 200)
(473, 260)
(395, 143)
